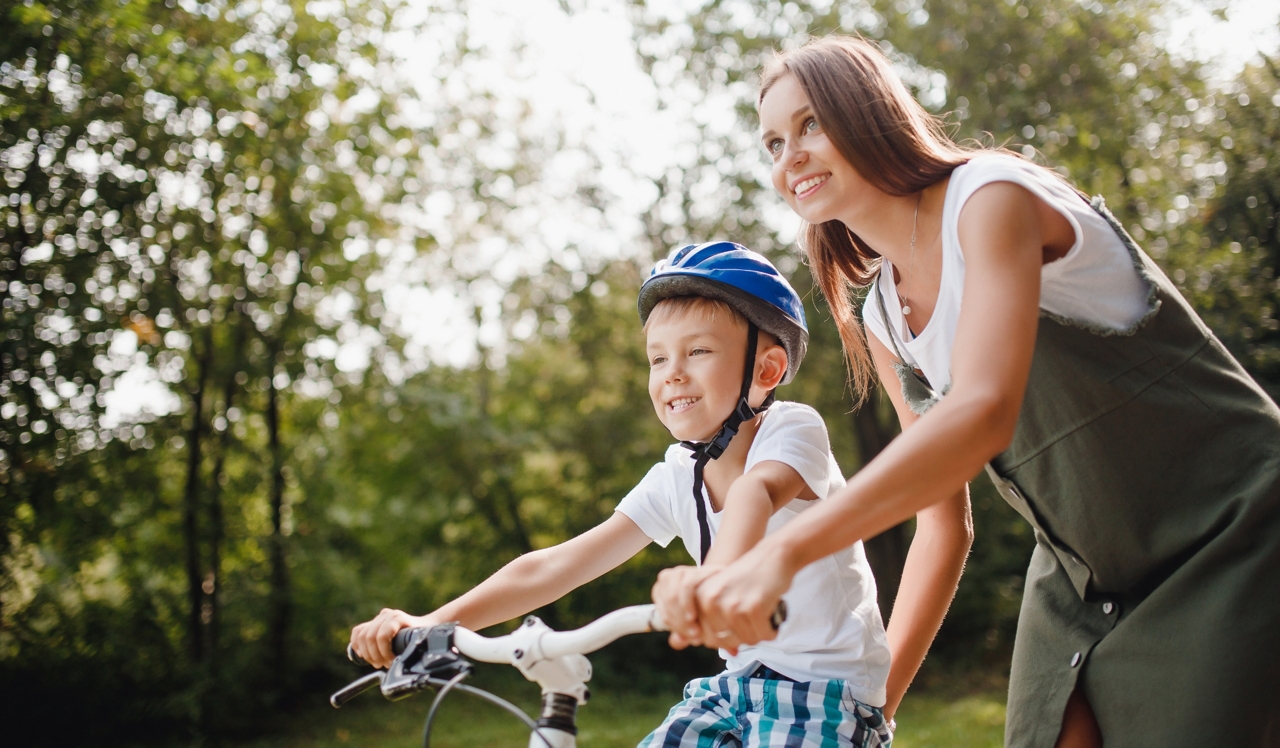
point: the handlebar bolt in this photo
(586, 695)
(519, 654)
(531, 620)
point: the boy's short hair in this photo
(708, 308)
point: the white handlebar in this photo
(636, 619)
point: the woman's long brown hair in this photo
(886, 135)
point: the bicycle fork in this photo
(564, 686)
(557, 727)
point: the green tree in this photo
(1231, 272)
(187, 187)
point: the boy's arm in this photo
(752, 499)
(529, 582)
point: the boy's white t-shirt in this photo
(833, 628)
(1094, 283)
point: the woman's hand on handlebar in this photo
(735, 604)
(372, 639)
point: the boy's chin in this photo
(690, 434)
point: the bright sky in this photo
(578, 72)
(1251, 26)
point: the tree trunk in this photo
(191, 507)
(279, 604)
(217, 524)
(886, 552)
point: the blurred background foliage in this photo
(218, 198)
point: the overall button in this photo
(1075, 659)
(1107, 608)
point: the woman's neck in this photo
(886, 222)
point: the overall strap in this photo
(884, 317)
(917, 392)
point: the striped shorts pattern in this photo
(752, 712)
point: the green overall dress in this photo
(1148, 463)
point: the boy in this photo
(723, 328)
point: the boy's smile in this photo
(695, 371)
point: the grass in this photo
(612, 720)
(932, 721)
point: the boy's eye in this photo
(657, 360)
(697, 351)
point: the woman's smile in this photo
(809, 185)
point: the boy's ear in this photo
(771, 367)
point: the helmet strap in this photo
(704, 452)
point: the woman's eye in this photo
(774, 146)
(810, 125)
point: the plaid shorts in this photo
(769, 709)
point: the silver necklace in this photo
(906, 306)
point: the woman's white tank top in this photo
(1094, 283)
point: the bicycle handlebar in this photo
(636, 619)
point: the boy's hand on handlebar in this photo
(675, 595)
(372, 639)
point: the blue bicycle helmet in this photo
(744, 280)
(750, 284)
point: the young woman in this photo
(1017, 327)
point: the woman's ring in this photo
(724, 634)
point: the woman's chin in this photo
(814, 212)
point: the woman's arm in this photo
(529, 582)
(1002, 240)
(944, 533)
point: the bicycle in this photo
(555, 660)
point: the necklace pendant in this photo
(906, 310)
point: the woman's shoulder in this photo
(995, 166)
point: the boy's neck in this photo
(720, 473)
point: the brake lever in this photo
(355, 688)
(422, 654)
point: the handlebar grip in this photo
(779, 615)
(398, 645)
